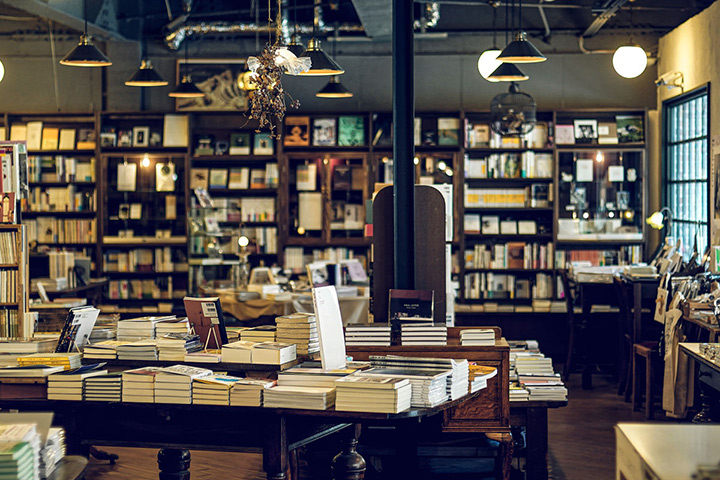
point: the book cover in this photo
(479, 135)
(540, 195)
(297, 132)
(324, 132)
(351, 131)
(257, 178)
(564, 134)
(607, 133)
(175, 130)
(448, 131)
(218, 178)
(206, 317)
(199, 178)
(50, 138)
(629, 128)
(240, 144)
(410, 305)
(585, 131)
(382, 130)
(515, 254)
(306, 177)
(126, 177)
(342, 177)
(429, 132)
(86, 139)
(239, 178)
(264, 144)
(310, 210)
(76, 330)
(330, 327)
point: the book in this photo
(29, 371)
(50, 138)
(264, 144)
(238, 352)
(629, 128)
(80, 373)
(448, 131)
(274, 353)
(77, 328)
(324, 132)
(330, 327)
(27, 345)
(297, 132)
(206, 317)
(86, 139)
(126, 177)
(218, 178)
(306, 177)
(479, 135)
(607, 133)
(239, 178)
(585, 130)
(67, 139)
(240, 144)
(175, 130)
(564, 134)
(351, 131)
(410, 305)
(34, 135)
(199, 178)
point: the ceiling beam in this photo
(604, 11)
(63, 13)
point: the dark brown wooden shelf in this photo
(235, 158)
(80, 213)
(61, 184)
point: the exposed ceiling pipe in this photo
(546, 35)
(604, 12)
(430, 17)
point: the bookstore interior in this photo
(503, 217)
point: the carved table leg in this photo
(349, 464)
(174, 464)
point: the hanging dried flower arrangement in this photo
(267, 101)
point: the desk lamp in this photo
(661, 220)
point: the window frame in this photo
(665, 158)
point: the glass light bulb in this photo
(145, 161)
(629, 61)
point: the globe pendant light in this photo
(334, 89)
(520, 50)
(488, 62)
(629, 61)
(146, 76)
(507, 72)
(85, 54)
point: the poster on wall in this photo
(221, 80)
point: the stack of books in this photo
(27, 434)
(355, 393)
(104, 388)
(103, 350)
(138, 350)
(311, 398)
(18, 458)
(52, 452)
(139, 328)
(248, 392)
(262, 333)
(311, 377)
(174, 346)
(274, 353)
(204, 356)
(429, 387)
(32, 371)
(300, 329)
(479, 337)
(457, 381)
(65, 360)
(98, 334)
(517, 393)
(423, 334)
(174, 384)
(368, 335)
(172, 325)
(479, 375)
(213, 389)
(12, 348)
(68, 385)
(138, 385)
(238, 352)
(543, 386)
(534, 364)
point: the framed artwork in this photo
(141, 136)
(219, 79)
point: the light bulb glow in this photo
(2, 71)
(487, 63)
(599, 157)
(629, 61)
(145, 161)
(243, 241)
(416, 161)
(441, 165)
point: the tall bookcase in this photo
(13, 280)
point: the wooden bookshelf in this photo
(14, 284)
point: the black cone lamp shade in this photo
(295, 47)
(507, 72)
(521, 50)
(334, 89)
(85, 54)
(322, 64)
(146, 76)
(186, 89)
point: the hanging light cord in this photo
(85, 14)
(494, 29)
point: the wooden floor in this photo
(582, 443)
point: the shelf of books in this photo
(144, 231)
(600, 186)
(59, 209)
(144, 133)
(13, 280)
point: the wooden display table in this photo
(71, 467)
(664, 451)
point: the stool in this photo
(648, 351)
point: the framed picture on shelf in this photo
(141, 136)
(218, 80)
(586, 131)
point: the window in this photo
(686, 168)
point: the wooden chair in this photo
(648, 351)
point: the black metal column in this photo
(403, 144)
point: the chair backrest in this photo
(626, 314)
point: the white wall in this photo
(691, 49)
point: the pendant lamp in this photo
(322, 64)
(629, 61)
(186, 89)
(85, 54)
(508, 72)
(520, 50)
(488, 62)
(146, 76)
(334, 89)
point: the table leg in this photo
(710, 400)
(174, 464)
(275, 451)
(349, 464)
(536, 437)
